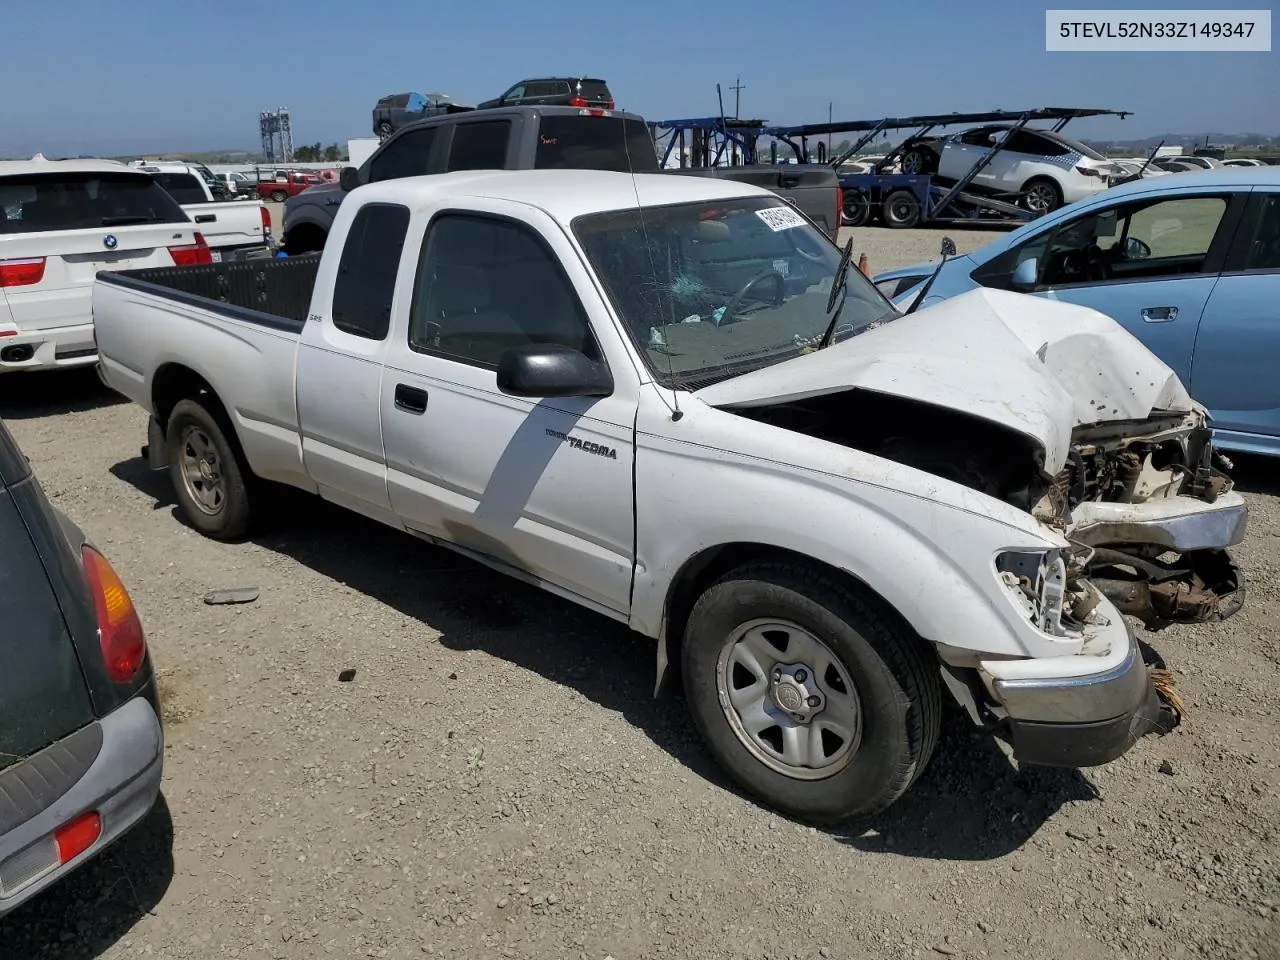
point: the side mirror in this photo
(1135, 249)
(948, 247)
(349, 179)
(552, 370)
(1024, 275)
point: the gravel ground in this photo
(496, 780)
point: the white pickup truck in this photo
(233, 229)
(670, 400)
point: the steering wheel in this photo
(779, 284)
(1095, 265)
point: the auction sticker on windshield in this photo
(780, 218)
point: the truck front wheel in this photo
(208, 477)
(807, 695)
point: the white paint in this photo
(492, 475)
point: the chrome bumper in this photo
(1083, 721)
(1179, 523)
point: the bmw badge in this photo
(110, 241)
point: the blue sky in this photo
(97, 77)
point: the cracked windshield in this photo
(710, 290)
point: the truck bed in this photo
(273, 293)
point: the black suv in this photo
(555, 91)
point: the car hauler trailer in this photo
(918, 196)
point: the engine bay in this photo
(1103, 500)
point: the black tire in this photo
(900, 209)
(279, 196)
(857, 209)
(229, 518)
(1040, 195)
(893, 672)
(919, 160)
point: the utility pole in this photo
(828, 132)
(737, 89)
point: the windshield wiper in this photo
(837, 288)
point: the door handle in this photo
(411, 399)
(206, 217)
(1159, 314)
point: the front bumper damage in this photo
(1152, 518)
(1166, 562)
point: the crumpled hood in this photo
(1038, 366)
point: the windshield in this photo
(710, 290)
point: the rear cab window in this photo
(42, 202)
(573, 142)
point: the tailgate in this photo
(73, 258)
(230, 223)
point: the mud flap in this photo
(156, 450)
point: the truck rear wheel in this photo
(857, 208)
(209, 477)
(900, 209)
(806, 694)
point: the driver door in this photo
(1149, 265)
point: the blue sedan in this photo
(1188, 263)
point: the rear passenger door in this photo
(541, 487)
(340, 359)
(1238, 350)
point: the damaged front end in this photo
(1152, 515)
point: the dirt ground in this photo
(497, 781)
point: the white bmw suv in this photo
(1043, 169)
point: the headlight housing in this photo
(1036, 582)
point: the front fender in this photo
(925, 545)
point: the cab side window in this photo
(480, 145)
(409, 155)
(367, 271)
(1264, 250)
(486, 284)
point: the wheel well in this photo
(304, 238)
(703, 569)
(1042, 178)
(174, 382)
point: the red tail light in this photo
(610, 105)
(191, 254)
(119, 629)
(577, 102)
(266, 222)
(839, 212)
(21, 273)
(76, 837)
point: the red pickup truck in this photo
(286, 185)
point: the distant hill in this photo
(1236, 142)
